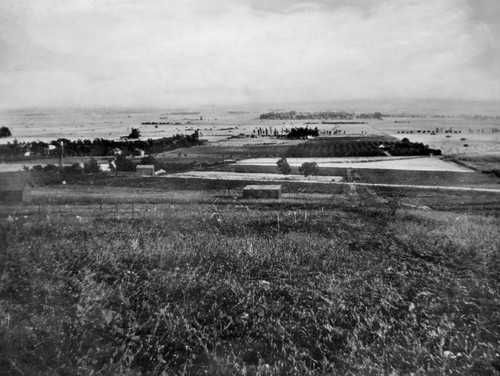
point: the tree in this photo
(135, 133)
(309, 168)
(92, 166)
(5, 132)
(283, 166)
(124, 164)
(150, 160)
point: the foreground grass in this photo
(240, 290)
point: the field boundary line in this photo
(429, 187)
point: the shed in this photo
(15, 187)
(145, 170)
(104, 166)
(262, 191)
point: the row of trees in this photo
(301, 133)
(339, 115)
(120, 163)
(96, 147)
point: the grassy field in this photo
(485, 162)
(173, 287)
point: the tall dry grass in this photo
(210, 289)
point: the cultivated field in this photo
(388, 163)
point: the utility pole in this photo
(61, 155)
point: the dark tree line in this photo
(300, 133)
(325, 115)
(96, 147)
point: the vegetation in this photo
(325, 115)
(356, 148)
(5, 132)
(96, 147)
(232, 290)
(299, 133)
(134, 133)
(124, 164)
(309, 168)
(284, 166)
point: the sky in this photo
(174, 53)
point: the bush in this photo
(309, 168)
(283, 166)
(50, 167)
(73, 169)
(92, 166)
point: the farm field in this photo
(416, 164)
(195, 283)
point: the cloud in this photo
(181, 52)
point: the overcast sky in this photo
(185, 52)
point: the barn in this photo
(262, 191)
(145, 170)
(15, 187)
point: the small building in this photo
(262, 191)
(139, 152)
(116, 152)
(148, 170)
(15, 187)
(104, 167)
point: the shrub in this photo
(284, 166)
(92, 166)
(73, 169)
(309, 168)
(50, 167)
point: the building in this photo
(116, 152)
(262, 191)
(148, 170)
(15, 187)
(138, 152)
(104, 166)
